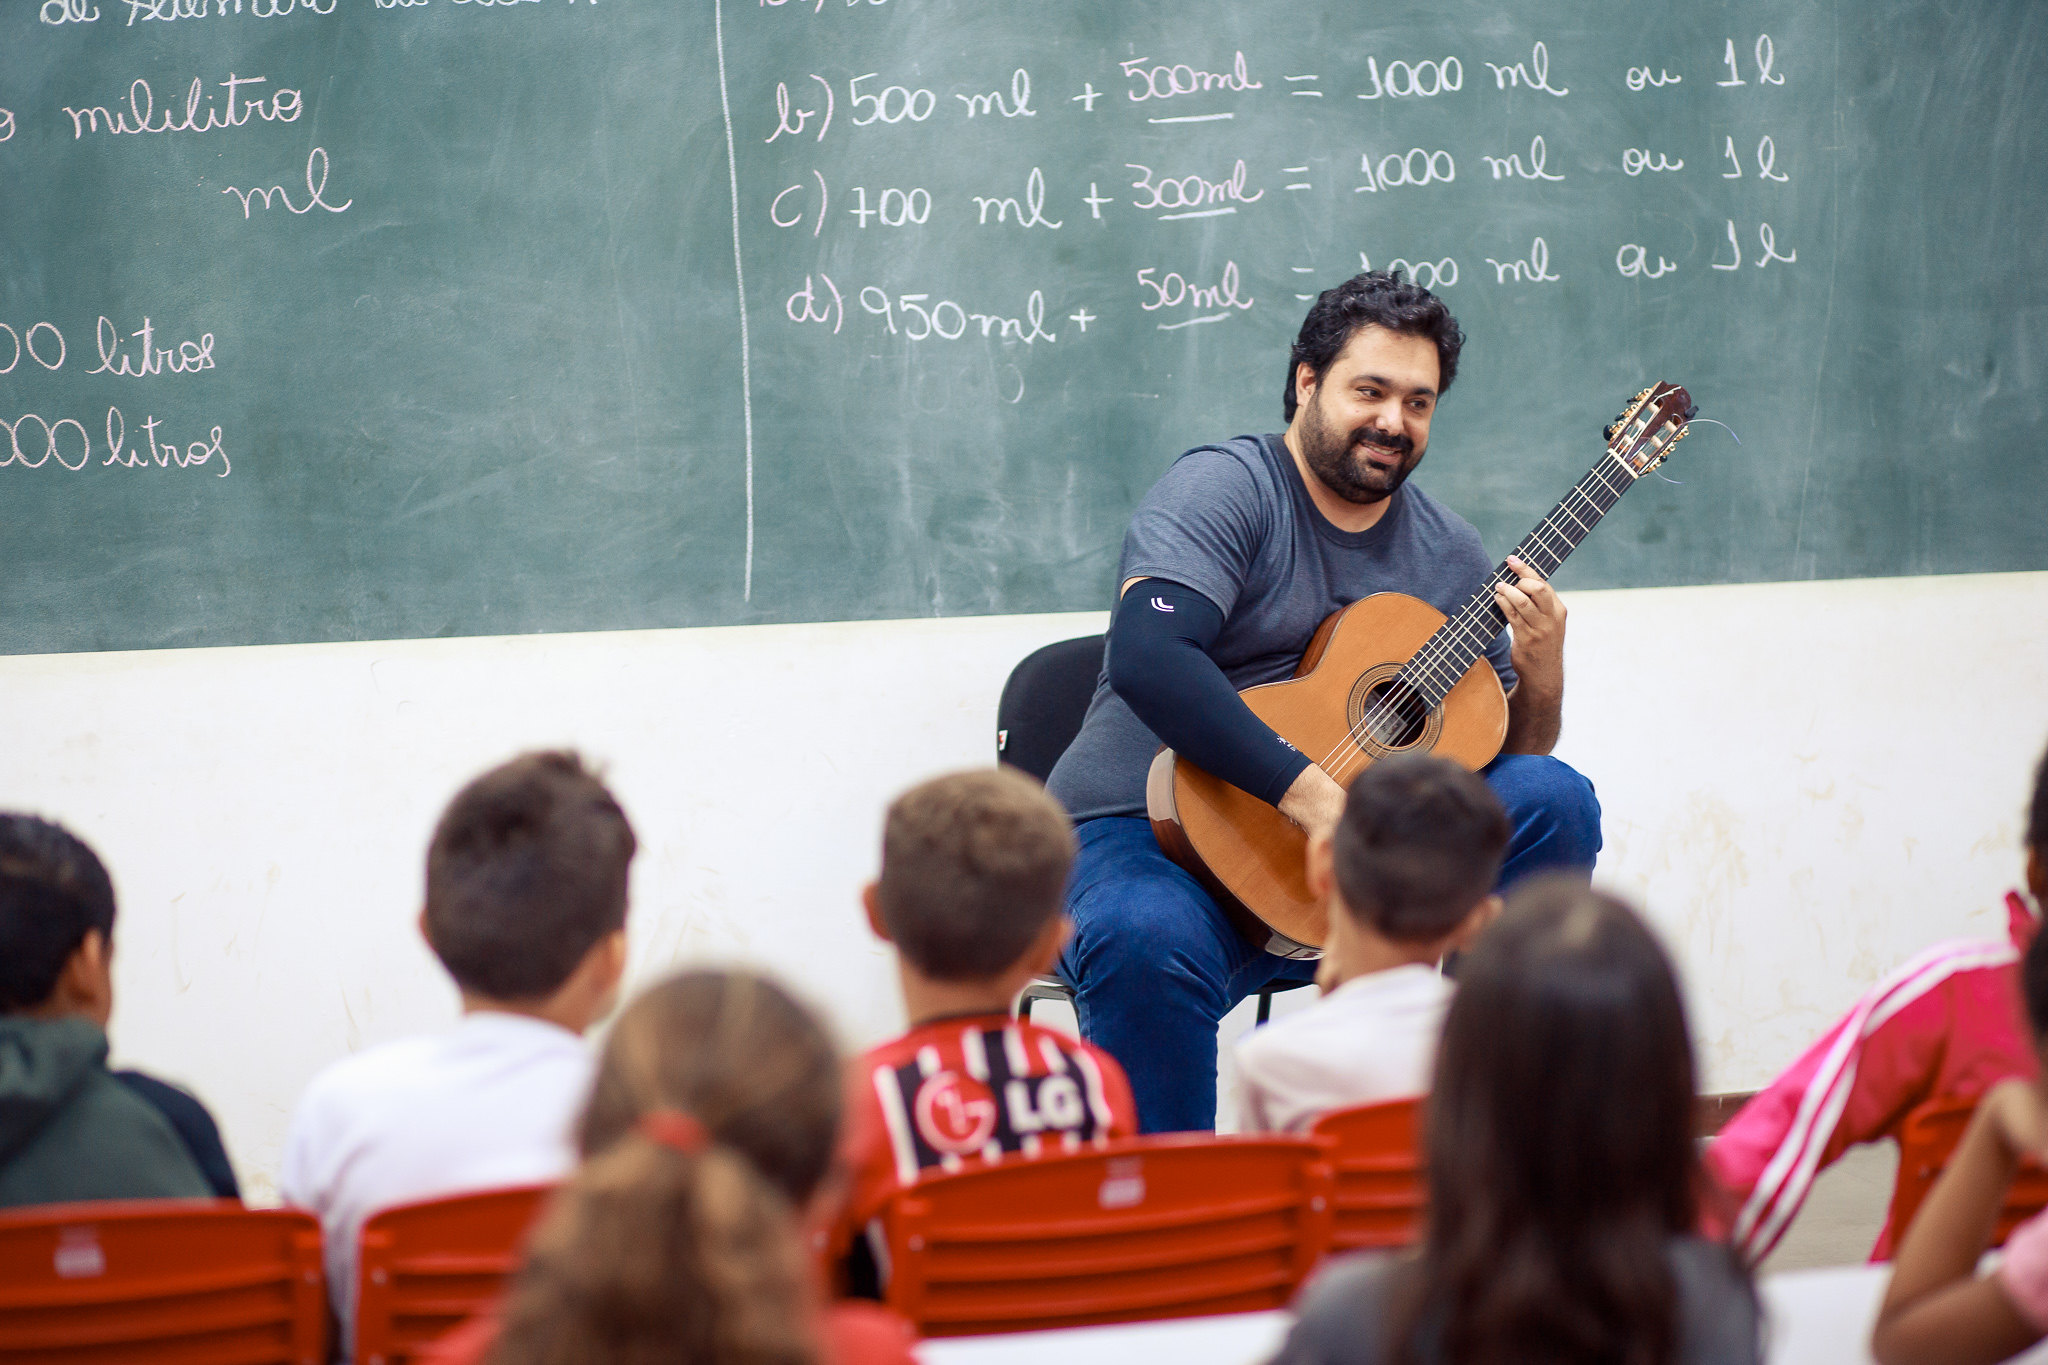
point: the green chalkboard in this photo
(359, 319)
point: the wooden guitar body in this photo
(1245, 852)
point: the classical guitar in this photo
(1387, 674)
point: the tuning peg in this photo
(1607, 432)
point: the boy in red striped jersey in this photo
(974, 868)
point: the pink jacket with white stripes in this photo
(1948, 1023)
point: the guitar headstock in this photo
(1654, 421)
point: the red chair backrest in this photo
(1376, 1157)
(1157, 1227)
(1927, 1139)
(175, 1281)
(425, 1268)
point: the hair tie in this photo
(674, 1128)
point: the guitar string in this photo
(1429, 664)
(1434, 663)
(1440, 651)
(1441, 662)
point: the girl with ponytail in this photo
(709, 1134)
(1564, 1182)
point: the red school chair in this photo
(1375, 1155)
(424, 1269)
(1927, 1139)
(1152, 1227)
(170, 1281)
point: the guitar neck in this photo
(1460, 641)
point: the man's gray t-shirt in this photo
(1234, 522)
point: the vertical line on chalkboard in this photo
(739, 275)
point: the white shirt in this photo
(488, 1105)
(1373, 1038)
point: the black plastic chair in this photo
(1040, 712)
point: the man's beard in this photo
(1336, 460)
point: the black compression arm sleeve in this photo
(1159, 639)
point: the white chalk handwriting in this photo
(1441, 274)
(1766, 57)
(45, 442)
(1212, 302)
(1191, 196)
(1642, 78)
(1416, 166)
(894, 104)
(69, 12)
(948, 321)
(1149, 82)
(1633, 261)
(817, 9)
(1406, 80)
(6, 124)
(1510, 167)
(40, 339)
(185, 357)
(1767, 243)
(1018, 105)
(1766, 161)
(282, 105)
(1636, 160)
(776, 207)
(894, 208)
(49, 440)
(1535, 270)
(315, 189)
(166, 10)
(1031, 213)
(784, 111)
(1535, 73)
(819, 308)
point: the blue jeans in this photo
(1155, 966)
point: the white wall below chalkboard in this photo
(1804, 782)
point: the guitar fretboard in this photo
(1460, 641)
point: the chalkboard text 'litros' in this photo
(185, 357)
(33, 442)
(140, 115)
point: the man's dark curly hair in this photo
(1377, 298)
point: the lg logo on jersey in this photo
(1058, 1105)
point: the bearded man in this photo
(1231, 562)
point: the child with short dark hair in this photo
(974, 866)
(1406, 877)
(526, 908)
(70, 1129)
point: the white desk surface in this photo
(1814, 1317)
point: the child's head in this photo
(739, 1054)
(1560, 1128)
(526, 881)
(974, 871)
(713, 1120)
(1417, 850)
(56, 922)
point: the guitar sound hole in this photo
(1394, 716)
